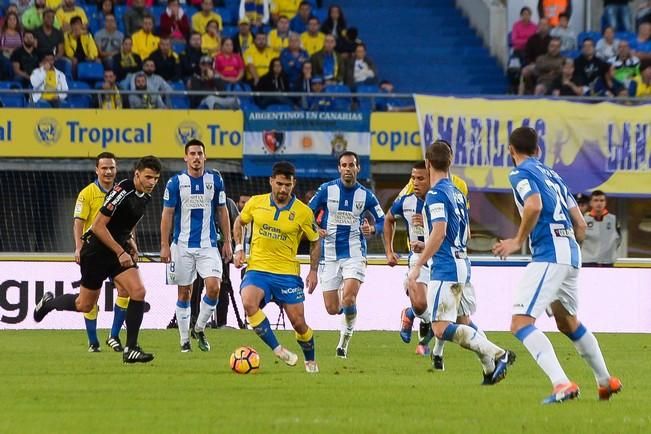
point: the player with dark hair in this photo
(89, 202)
(552, 222)
(279, 222)
(109, 250)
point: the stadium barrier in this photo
(606, 304)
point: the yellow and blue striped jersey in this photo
(90, 200)
(277, 233)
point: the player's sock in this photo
(409, 313)
(439, 344)
(262, 328)
(119, 313)
(90, 319)
(306, 341)
(135, 312)
(64, 302)
(183, 312)
(476, 328)
(206, 309)
(469, 339)
(543, 353)
(425, 333)
(587, 346)
(347, 325)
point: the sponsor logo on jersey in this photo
(47, 131)
(290, 291)
(186, 131)
(345, 218)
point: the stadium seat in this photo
(10, 85)
(78, 100)
(321, 14)
(625, 36)
(179, 101)
(90, 9)
(572, 54)
(279, 108)
(157, 11)
(178, 47)
(595, 36)
(41, 103)
(119, 11)
(339, 103)
(12, 100)
(90, 71)
(229, 31)
(367, 104)
(228, 18)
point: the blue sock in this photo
(450, 330)
(410, 313)
(119, 314)
(306, 341)
(473, 326)
(262, 328)
(91, 331)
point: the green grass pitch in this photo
(51, 385)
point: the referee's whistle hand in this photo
(165, 255)
(125, 260)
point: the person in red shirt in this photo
(174, 22)
(522, 30)
(552, 9)
(228, 64)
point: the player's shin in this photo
(476, 328)
(64, 302)
(90, 319)
(306, 342)
(183, 312)
(347, 326)
(543, 353)
(262, 328)
(135, 313)
(469, 339)
(587, 346)
(119, 314)
(206, 309)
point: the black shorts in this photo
(98, 263)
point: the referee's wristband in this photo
(239, 248)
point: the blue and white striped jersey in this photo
(444, 202)
(194, 201)
(407, 207)
(343, 208)
(552, 239)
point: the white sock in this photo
(439, 344)
(543, 353)
(183, 320)
(470, 339)
(347, 326)
(587, 346)
(206, 309)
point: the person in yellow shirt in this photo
(641, 85)
(79, 45)
(144, 40)
(258, 58)
(200, 19)
(289, 8)
(279, 37)
(279, 221)
(312, 39)
(243, 40)
(89, 202)
(211, 40)
(67, 12)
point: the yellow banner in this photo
(395, 137)
(592, 146)
(126, 133)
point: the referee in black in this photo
(109, 250)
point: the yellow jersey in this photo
(312, 44)
(277, 233)
(200, 21)
(277, 42)
(289, 8)
(144, 43)
(458, 182)
(89, 201)
(260, 60)
(65, 17)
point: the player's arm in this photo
(170, 200)
(242, 220)
(373, 206)
(311, 231)
(530, 213)
(388, 234)
(578, 223)
(432, 244)
(134, 245)
(78, 231)
(102, 233)
(225, 226)
(81, 214)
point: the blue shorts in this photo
(281, 288)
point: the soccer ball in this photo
(245, 360)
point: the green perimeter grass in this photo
(50, 384)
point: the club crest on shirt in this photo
(359, 205)
(292, 215)
(208, 186)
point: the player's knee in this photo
(566, 325)
(122, 293)
(300, 326)
(419, 306)
(83, 306)
(439, 329)
(333, 309)
(212, 291)
(463, 319)
(250, 306)
(348, 300)
(138, 294)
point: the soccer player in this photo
(447, 212)
(279, 220)
(190, 200)
(341, 205)
(552, 222)
(89, 202)
(110, 251)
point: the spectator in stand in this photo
(155, 82)
(79, 44)
(293, 58)
(144, 40)
(48, 82)
(522, 30)
(393, 104)
(335, 24)
(618, 15)
(206, 14)
(10, 35)
(626, 65)
(563, 85)
(274, 80)
(126, 62)
(537, 44)
(552, 9)
(257, 59)
(167, 61)
(548, 68)
(243, 40)
(105, 8)
(48, 38)
(256, 11)
(587, 66)
(348, 42)
(174, 22)
(300, 22)
(209, 83)
(289, 8)
(109, 40)
(32, 18)
(607, 85)
(328, 63)
(191, 56)
(312, 40)
(279, 37)
(640, 86)
(643, 14)
(21, 6)
(134, 17)
(25, 59)
(607, 45)
(304, 81)
(211, 40)
(564, 33)
(113, 100)
(67, 12)
(228, 64)
(147, 100)
(641, 45)
(360, 69)
(318, 101)
(602, 235)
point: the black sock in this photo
(64, 302)
(135, 312)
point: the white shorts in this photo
(185, 264)
(444, 299)
(468, 303)
(542, 284)
(333, 273)
(423, 276)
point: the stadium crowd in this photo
(240, 45)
